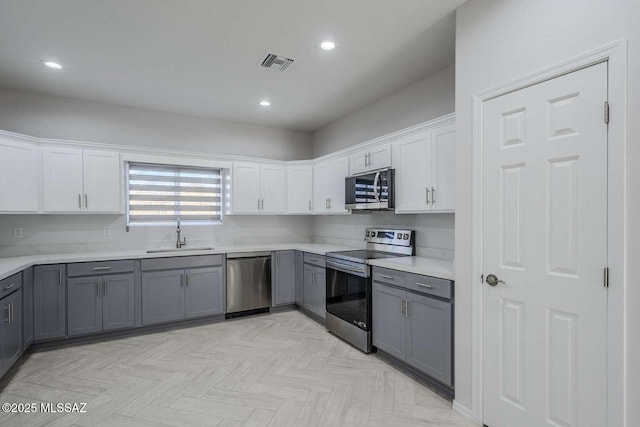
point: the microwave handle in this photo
(376, 181)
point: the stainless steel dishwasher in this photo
(248, 283)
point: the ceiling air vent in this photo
(276, 62)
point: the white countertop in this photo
(12, 265)
(418, 265)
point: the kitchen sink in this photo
(157, 251)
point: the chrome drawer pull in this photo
(10, 286)
(384, 276)
(424, 285)
(101, 268)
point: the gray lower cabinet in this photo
(314, 290)
(414, 327)
(49, 302)
(284, 286)
(299, 278)
(180, 294)
(100, 303)
(27, 307)
(10, 330)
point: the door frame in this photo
(615, 54)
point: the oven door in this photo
(349, 292)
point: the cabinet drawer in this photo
(101, 267)
(181, 262)
(10, 284)
(314, 259)
(386, 275)
(429, 285)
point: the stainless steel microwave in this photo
(371, 191)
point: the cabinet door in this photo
(299, 189)
(389, 330)
(245, 188)
(162, 296)
(379, 157)
(84, 305)
(429, 336)
(62, 180)
(20, 177)
(273, 182)
(412, 157)
(204, 292)
(308, 286)
(27, 307)
(320, 292)
(285, 278)
(11, 334)
(338, 171)
(299, 278)
(118, 301)
(102, 178)
(321, 176)
(49, 302)
(443, 192)
(359, 162)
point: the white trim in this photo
(461, 409)
(616, 55)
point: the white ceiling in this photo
(199, 57)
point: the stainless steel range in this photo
(349, 283)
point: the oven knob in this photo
(406, 236)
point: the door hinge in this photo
(606, 112)
(606, 277)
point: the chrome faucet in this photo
(179, 243)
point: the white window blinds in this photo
(164, 193)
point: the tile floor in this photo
(281, 369)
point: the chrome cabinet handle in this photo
(433, 195)
(79, 200)
(258, 204)
(86, 201)
(401, 305)
(384, 276)
(187, 279)
(104, 287)
(101, 268)
(12, 313)
(406, 307)
(329, 202)
(427, 189)
(9, 286)
(309, 205)
(98, 287)
(424, 285)
(60, 278)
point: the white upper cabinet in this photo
(20, 172)
(73, 180)
(329, 185)
(300, 189)
(425, 171)
(258, 189)
(102, 181)
(376, 157)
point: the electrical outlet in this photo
(107, 231)
(18, 233)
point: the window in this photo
(164, 193)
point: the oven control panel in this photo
(390, 236)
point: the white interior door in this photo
(544, 233)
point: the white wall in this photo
(498, 41)
(434, 232)
(85, 233)
(427, 99)
(63, 118)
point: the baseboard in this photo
(462, 410)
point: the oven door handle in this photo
(346, 269)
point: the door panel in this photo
(84, 305)
(118, 301)
(49, 302)
(204, 292)
(544, 234)
(102, 178)
(162, 296)
(285, 278)
(11, 334)
(273, 182)
(245, 187)
(20, 177)
(389, 331)
(62, 180)
(412, 160)
(443, 192)
(299, 189)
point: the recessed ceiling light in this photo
(328, 45)
(265, 103)
(53, 65)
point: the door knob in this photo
(492, 280)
